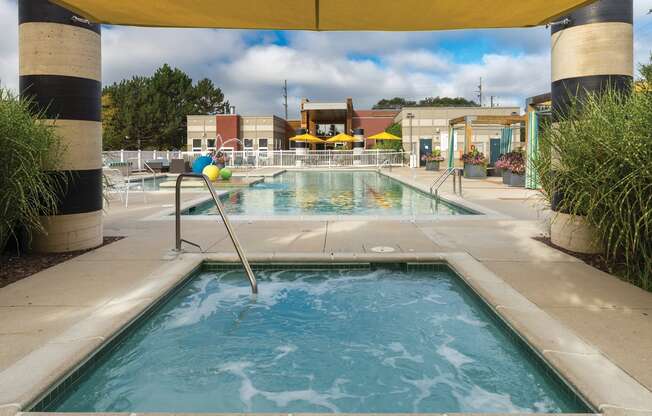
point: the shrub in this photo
(394, 145)
(599, 159)
(29, 148)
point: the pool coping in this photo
(602, 384)
(478, 212)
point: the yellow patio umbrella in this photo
(341, 138)
(384, 136)
(307, 138)
(385, 15)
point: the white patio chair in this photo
(115, 182)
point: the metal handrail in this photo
(153, 173)
(227, 224)
(385, 162)
(441, 178)
(456, 172)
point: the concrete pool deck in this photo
(613, 318)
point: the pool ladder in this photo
(227, 225)
(386, 162)
(441, 179)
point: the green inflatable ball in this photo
(226, 174)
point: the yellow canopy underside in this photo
(308, 138)
(384, 136)
(384, 15)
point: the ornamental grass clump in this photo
(27, 190)
(598, 158)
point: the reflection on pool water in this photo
(330, 193)
(350, 339)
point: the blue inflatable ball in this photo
(200, 163)
(225, 174)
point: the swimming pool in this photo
(344, 338)
(343, 193)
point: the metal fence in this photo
(267, 158)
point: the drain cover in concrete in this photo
(383, 249)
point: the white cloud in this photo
(9, 44)
(420, 60)
(129, 51)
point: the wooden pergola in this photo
(470, 121)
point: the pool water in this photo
(151, 184)
(357, 339)
(330, 193)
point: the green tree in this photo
(209, 99)
(446, 102)
(398, 102)
(393, 103)
(396, 129)
(152, 110)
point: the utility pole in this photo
(285, 98)
(479, 91)
(492, 101)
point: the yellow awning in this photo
(384, 136)
(341, 138)
(308, 138)
(385, 15)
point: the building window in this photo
(262, 144)
(196, 145)
(210, 144)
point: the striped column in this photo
(60, 69)
(300, 148)
(358, 144)
(591, 52)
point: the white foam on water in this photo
(284, 350)
(397, 347)
(424, 387)
(471, 321)
(546, 405)
(208, 300)
(478, 399)
(451, 355)
(247, 390)
(282, 399)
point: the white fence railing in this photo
(267, 158)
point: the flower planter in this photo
(474, 171)
(434, 166)
(574, 233)
(516, 180)
(507, 176)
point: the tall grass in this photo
(29, 152)
(599, 157)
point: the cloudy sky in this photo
(250, 66)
